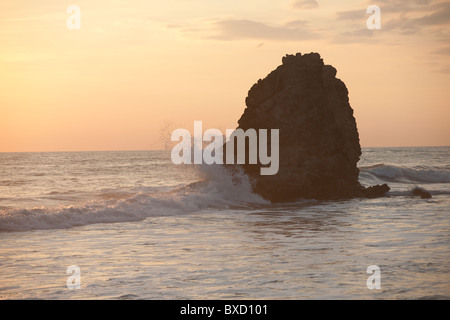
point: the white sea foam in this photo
(218, 189)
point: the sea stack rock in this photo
(318, 138)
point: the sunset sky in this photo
(139, 68)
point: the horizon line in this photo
(131, 150)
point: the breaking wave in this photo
(218, 189)
(417, 174)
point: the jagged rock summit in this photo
(319, 142)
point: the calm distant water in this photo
(138, 228)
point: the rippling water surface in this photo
(138, 229)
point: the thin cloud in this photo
(388, 7)
(352, 15)
(304, 4)
(433, 19)
(173, 26)
(296, 23)
(356, 35)
(405, 17)
(444, 70)
(443, 51)
(440, 16)
(242, 29)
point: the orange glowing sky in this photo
(138, 68)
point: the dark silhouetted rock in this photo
(376, 191)
(319, 143)
(424, 194)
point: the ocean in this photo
(136, 226)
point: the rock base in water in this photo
(375, 191)
(422, 193)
